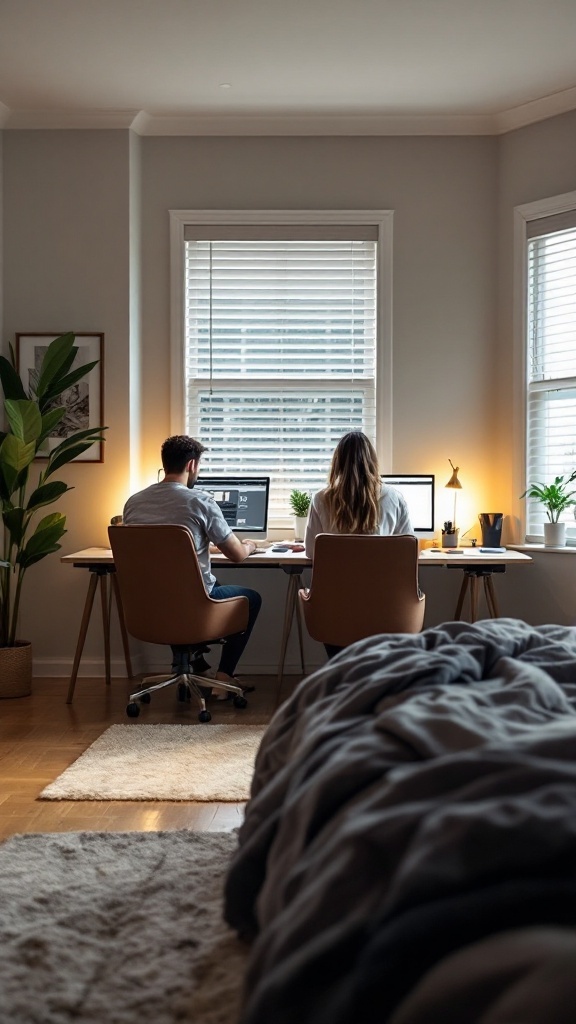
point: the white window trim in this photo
(381, 219)
(522, 216)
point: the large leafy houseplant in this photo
(31, 417)
(555, 497)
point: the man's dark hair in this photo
(178, 450)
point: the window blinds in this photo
(551, 364)
(280, 352)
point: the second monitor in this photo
(418, 490)
(242, 500)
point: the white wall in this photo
(86, 244)
(533, 163)
(66, 267)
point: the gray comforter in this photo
(416, 795)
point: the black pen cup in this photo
(491, 525)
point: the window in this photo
(551, 358)
(279, 341)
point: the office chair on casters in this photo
(165, 602)
(362, 586)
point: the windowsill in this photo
(528, 548)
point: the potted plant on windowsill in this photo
(300, 505)
(31, 418)
(555, 498)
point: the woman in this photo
(355, 500)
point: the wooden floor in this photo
(41, 735)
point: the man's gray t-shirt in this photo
(179, 505)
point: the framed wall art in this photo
(84, 401)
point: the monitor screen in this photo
(243, 500)
(418, 490)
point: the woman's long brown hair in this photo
(354, 486)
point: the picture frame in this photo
(84, 401)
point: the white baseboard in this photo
(93, 668)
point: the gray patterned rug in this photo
(118, 927)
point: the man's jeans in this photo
(233, 647)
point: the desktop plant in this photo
(300, 505)
(31, 417)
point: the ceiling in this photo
(284, 67)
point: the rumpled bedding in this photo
(414, 797)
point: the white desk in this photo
(476, 566)
(292, 564)
(100, 563)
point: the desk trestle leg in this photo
(123, 631)
(490, 594)
(461, 597)
(292, 608)
(92, 584)
(471, 581)
(102, 573)
(105, 626)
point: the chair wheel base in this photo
(239, 702)
(133, 710)
(204, 716)
(145, 698)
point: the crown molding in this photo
(315, 124)
(143, 123)
(536, 110)
(70, 119)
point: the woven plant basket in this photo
(16, 670)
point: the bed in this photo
(408, 853)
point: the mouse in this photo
(280, 547)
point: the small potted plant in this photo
(555, 498)
(300, 505)
(32, 415)
(450, 535)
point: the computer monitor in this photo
(418, 490)
(242, 499)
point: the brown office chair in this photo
(165, 602)
(362, 586)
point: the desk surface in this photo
(471, 557)
(428, 557)
(103, 556)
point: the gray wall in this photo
(86, 248)
(533, 163)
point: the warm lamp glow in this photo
(455, 485)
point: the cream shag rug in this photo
(118, 927)
(163, 762)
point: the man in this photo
(173, 500)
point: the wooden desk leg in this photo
(491, 600)
(291, 608)
(123, 631)
(288, 616)
(105, 626)
(473, 598)
(461, 596)
(298, 610)
(93, 583)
